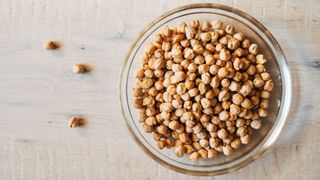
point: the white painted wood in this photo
(39, 92)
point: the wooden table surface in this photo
(39, 92)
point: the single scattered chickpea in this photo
(81, 68)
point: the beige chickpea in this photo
(216, 24)
(230, 29)
(150, 111)
(234, 109)
(188, 53)
(166, 31)
(253, 49)
(224, 115)
(245, 90)
(239, 52)
(181, 89)
(166, 107)
(198, 49)
(138, 92)
(251, 70)
(222, 134)
(265, 94)
(195, 156)
(209, 94)
(264, 103)
(260, 59)
(184, 137)
(268, 86)
(180, 76)
(224, 55)
(188, 148)
(177, 103)
(223, 72)
(169, 64)
(234, 86)
(236, 143)
(255, 100)
(150, 49)
(176, 68)
(166, 46)
(193, 92)
(214, 142)
(205, 26)
(159, 73)
(224, 95)
(204, 143)
(214, 69)
(258, 82)
(212, 153)
(224, 40)
(219, 47)
(203, 68)
(240, 122)
(199, 59)
(203, 153)
(246, 104)
(139, 73)
(245, 139)
(265, 76)
(225, 82)
(210, 47)
(150, 121)
(246, 43)
(237, 76)
(239, 36)
(176, 53)
(205, 36)
(227, 150)
(221, 32)
(263, 112)
(138, 103)
(192, 67)
(148, 73)
(209, 59)
(260, 68)
(215, 82)
(237, 99)
(233, 43)
(205, 103)
(241, 131)
(180, 150)
(177, 38)
(255, 124)
(202, 88)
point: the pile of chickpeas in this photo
(202, 89)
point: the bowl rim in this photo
(286, 95)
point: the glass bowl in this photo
(280, 100)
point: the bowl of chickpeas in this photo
(205, 89)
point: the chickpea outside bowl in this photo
(202, 162)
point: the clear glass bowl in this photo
(280, 101)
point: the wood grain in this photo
(39, 92)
